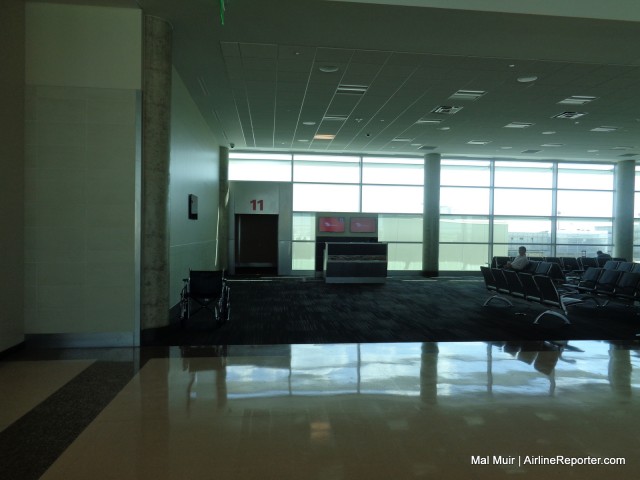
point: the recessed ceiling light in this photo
(478, 142)
(308, 123)
(518, 125)
(335, 118)
(550, 132)
(350, 89)
(303, 140)
(552, 145)
(621, 147)
(428, 120)
(400, 139)
(444, 128)
(324, 136)
(527, 79)
(592, 151)
(604, 128)
(467, 95)
(506, 148)
(328, 68)
(416, 144)
(577, 100)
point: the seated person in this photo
(601, 254)
(520, 262)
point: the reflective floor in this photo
(344, 411)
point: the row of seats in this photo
(567, 264)
(598, 285)
(538, 288)
(605, 284)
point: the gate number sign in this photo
(257, 205)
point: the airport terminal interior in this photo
(272, 240)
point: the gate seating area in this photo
(548, 286)
(571, 265)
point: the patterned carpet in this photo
(307, 310)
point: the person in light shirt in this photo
(520, 262)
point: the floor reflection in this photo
(374, 411)
(430, 371)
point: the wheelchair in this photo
(205, 290)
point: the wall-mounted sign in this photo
(256, 198)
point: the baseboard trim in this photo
(81, 340)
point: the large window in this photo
(487, 207)
(465, 204)
(264, 167)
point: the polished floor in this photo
(336, 411)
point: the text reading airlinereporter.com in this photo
(522, 460)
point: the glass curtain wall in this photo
(487, 207)
(465, 203)
(636, 217)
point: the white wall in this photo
(83, 80)
(12, 176)
(194, 170)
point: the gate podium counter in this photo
(355, 262)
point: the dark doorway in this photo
(257, 244)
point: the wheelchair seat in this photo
(205, 289)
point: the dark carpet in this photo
(287, 311)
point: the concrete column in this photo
(222, 237)
(431, 215)
(156, 122)
(625, 175)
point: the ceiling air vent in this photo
(349, 89)
(446, 110)
(570, 115)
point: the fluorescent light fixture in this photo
(308, 123)
(527, 79)
(324, 136)
(401, 139)
(577, 100)
(467, 94)
(518, 125)
(428, 120)
(550, 132)
(328, 68)
(478, 142)
(352, 89)
(604, 128)
(622, 147)
(552, 145)
(335, 118)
